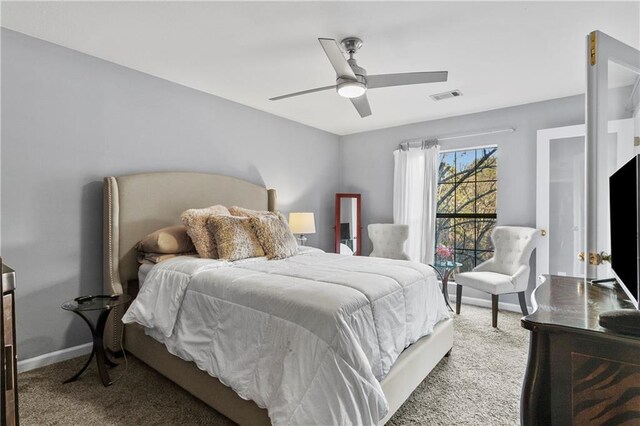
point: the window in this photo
(466, 212)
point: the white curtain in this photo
(415, 190)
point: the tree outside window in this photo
(466, 212)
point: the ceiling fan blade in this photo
(304, 92)
(362, 105)
(337, 59)
(388, 80)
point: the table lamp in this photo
(301, 224)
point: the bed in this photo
(137, 205)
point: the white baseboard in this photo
(53, 357)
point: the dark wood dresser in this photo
(579, 373)
(8, 362)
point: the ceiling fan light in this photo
(351, 89)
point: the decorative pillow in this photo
(169, 240)
(195, 220)
(275, 236)
(234, 237)
(159, 257)
(242, 212)
(284, 219)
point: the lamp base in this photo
(302, 240)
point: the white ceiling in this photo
(498, 53)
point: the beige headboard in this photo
(136, 205)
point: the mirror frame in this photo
(336, 227)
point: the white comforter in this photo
(308, 337)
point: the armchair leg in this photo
(523, 303)
(458, 298)
(494, 310)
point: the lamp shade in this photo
(302, 223)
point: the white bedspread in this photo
(308, 337)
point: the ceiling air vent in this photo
(446, 95)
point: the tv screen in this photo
(345, 231)
(624, 185)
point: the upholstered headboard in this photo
(136, 205)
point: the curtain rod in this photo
(419, 142)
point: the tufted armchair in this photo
(388, 240)
(506, 272)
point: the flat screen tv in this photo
(624, 199)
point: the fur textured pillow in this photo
(195, 220)
(275, 236)
(242, 212)
(169, 240)
(235, 238)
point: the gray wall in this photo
(69, 119)
(367, 160)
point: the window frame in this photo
(471, 216)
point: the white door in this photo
(613, 96)
(561, 195)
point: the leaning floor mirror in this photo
(348, 228)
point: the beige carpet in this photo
(478, 384)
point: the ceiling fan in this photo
(352, 80)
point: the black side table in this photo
(104, 304)
(444, 269)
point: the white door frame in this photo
(600, 49)
(623, 129)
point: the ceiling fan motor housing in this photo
(357, 70)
